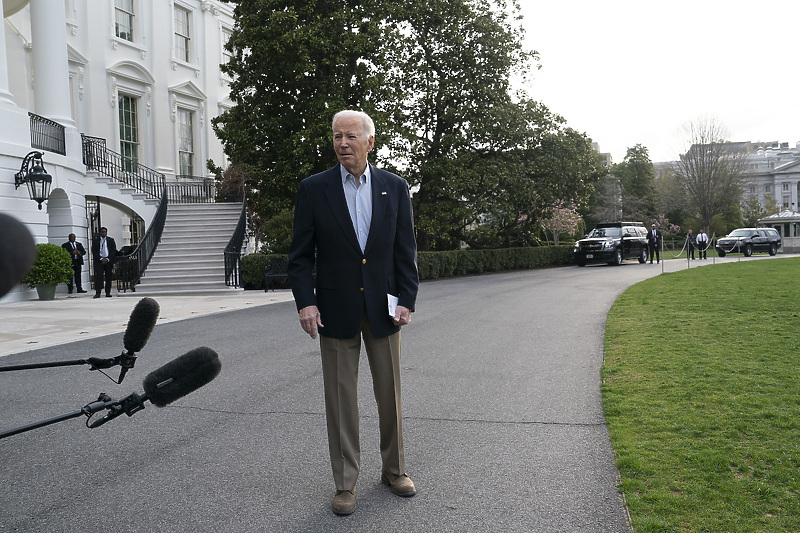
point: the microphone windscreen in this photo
(181, 376)
(17, 252)
(140, 324)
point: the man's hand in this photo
(402, 316)
(310, 320)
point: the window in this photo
(128, 133)
(752, 189)
(767, 188)
(185, 143)
(226, 55)
(123, 19)
(785, 186)
(182, 37)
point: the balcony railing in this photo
(47, 135)
(192, 190)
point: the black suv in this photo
(612, 242)
(749, 240)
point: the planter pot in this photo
(46, 292)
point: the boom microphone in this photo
(171, 382)
(181, 376)
(17, 252)
(140, 325)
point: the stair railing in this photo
(233, 251)
(124, 169)
(130, 268)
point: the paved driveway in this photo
(503, 417)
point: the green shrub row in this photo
(433, 265)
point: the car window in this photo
(739, 233)
(606, 232)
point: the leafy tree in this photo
(752, 210)
(711, 171)
(294, 64)
(636, 177)
(606, 201)
(672, 198)
(484, 164)
(453, 62)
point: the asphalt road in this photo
(503, 420)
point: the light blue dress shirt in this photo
(359, 202)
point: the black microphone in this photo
(17, 252)
(181, 376)
(140, 325)
(171, 382)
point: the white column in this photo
(50, 62)
(5, 96)
(15, 129)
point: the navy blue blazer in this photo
(348, 282)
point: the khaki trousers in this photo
(340, 375)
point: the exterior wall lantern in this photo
(32, 172)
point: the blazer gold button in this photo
(361, 289)
(363, 261)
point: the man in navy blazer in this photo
(104, 252)
(354, 223)
(76, 252)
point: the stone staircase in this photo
(189, 258)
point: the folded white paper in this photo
(392, 304)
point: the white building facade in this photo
(141, 77)
(774, 175)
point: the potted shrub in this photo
(52, 266)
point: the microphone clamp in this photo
(131, 404)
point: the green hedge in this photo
(433, 265)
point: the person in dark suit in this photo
(354, 223)
(654, 243)
(76, 251)
(104, 251)
(690, 242)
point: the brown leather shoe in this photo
(344, 502)
(401, 485)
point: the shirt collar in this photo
(367, 175)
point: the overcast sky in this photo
(629, 72)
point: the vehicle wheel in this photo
(748, 250)
(581, 264)
(643, 256)
(617, 258)
(773, 249)
(720, 253)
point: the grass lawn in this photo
(701, 392)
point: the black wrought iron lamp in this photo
(33, 174)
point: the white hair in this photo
(366, 122)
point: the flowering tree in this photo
(663, 225)
(563, 218)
